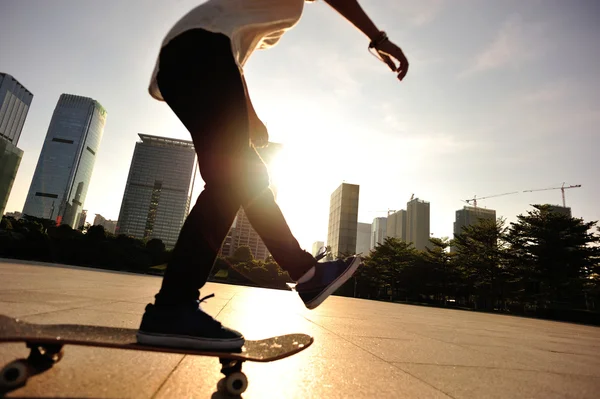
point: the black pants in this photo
(200, 81)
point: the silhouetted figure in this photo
(199, 74)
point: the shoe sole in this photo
(337, 283)
(188, 342)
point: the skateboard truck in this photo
(40, 359)
(235, 381)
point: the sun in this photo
(296, 178)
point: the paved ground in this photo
(362, 349)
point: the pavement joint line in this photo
(469, 347)
(383, 360)
(60, 310)
(162, 384)
(498, 368)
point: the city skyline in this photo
(478, 114)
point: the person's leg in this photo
(211, 101)
(200, 82)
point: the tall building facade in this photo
(417, 223)
(157, 194)
(15, 101)
(363, 238)
(343, 220)
(378, 232)
(109, 225)
(242, 233)
(469, 216)
(561, 210)
(396, 225)
(64, 169)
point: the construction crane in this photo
(562, 189)
(474, 199)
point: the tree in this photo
(441, 273)
(96, 233)
(481, 259)
(5, 223)
(156, 250)
(390, 261)
(242, 254)
(554, 256)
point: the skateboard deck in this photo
(46, 342)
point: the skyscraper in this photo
(470, 215)
(417, 223)
(396, 225)
(363, 238)
(64, 169)
(378, 232)
(157, 194)
(109, 225)
(343, 220)
(242, 233)
(559, 210)
(15, 100)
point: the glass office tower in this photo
(64, 169)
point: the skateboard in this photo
(46, 341)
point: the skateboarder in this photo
(199, 74)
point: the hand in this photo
(259, 136)
(388, 51)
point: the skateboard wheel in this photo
(14, 374)
(236, 383)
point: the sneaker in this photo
(328, 277)
(186, 326)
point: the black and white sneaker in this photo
(328, 277)
(186, 326)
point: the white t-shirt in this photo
(249, 24)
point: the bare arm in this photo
(353, 12)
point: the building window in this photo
(38, 194)
(62, 140)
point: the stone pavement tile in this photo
(87, 316)
(194, 377)
(264, 300)
(103, 292)
(427, 351)
(574, 346)
(365, 327)
(212, 307)
(96, 373)
(535, 359)
(258, 325)
(26, 296)
(301, 376)
(359, 308)
(493, 383)
(17, 309)
(118, 307)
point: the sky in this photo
(499, 97)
